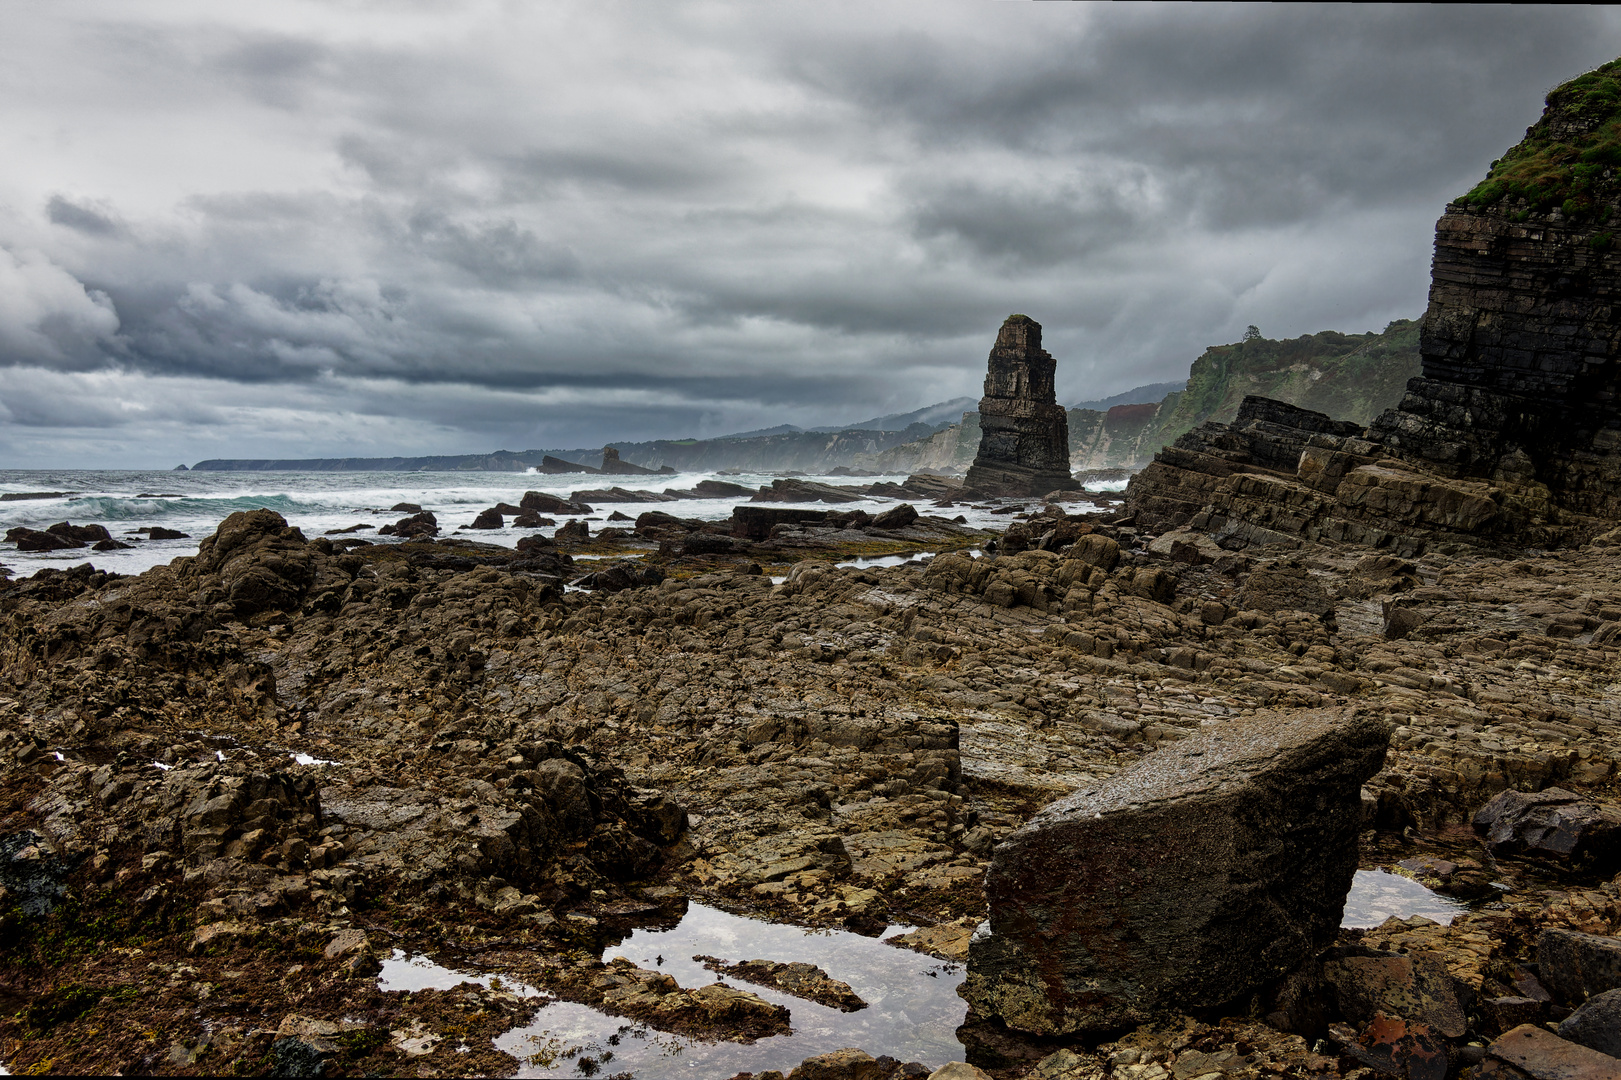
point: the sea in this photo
(317, 502)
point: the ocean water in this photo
(196, 502)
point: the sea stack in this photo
(1024, 434)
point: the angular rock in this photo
(721, 489)
(1217, 865)
(552, 465)
(1553, 826)
(1597, 1024)
(1024, 432)
(1575, 966)
(1542, 1055)
(488, 519)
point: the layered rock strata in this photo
(1187, 882)
(1513, 431)
(1024, 440)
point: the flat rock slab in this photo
(1215, 866)
(1542, 1055)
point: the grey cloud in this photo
(91, 218)
(543, 229)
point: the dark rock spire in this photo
(1024, 441)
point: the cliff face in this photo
(1519, 342)
(1512, 433)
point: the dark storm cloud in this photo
(329, 227)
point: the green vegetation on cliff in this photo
(1568, 157)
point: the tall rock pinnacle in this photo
(1024, 441)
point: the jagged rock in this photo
(614, 466)
(422, 524)
(542, 502)
(1576, 966)
(84, 534)
(1187, 881)
(1554, 826)
(36, 540)
(720, 489)
(756, 522)
(1282, 586)
(254, 562)
(488, 519)
(572, 530)
(793, 490)
(1024, 440)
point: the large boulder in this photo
(1597, 1024)
(255, 562)
(1556, 827)
(1190, 880)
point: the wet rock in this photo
(572, 530)
(756, 522)
(715, 1011)
(721, 489)
(36, 540)
(422, 524)
(553, 465)
(898, 517)
(1553, 826)
(798, 979)
(1541, 1055)
(488, 519)
(1219, 864)
(1575, 966)
(255, 563)
(1597, 1024)
(544, 503)
(793, 490)
(158, 532)
(1024, 440)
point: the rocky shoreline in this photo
(279, 755)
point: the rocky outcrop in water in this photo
(1024, 440)
(1188, 882)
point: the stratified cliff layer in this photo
(1024, 441)
(1512, 432)
(1520, 380)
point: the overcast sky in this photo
(349, 228)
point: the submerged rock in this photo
(1187, 881)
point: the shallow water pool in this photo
(1376, 895)
(912, 1008)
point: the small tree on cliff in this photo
(1251, 332)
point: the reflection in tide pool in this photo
(1376, 895)
(912, 1005)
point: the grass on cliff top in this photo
(1566, 158)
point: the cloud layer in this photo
(416, 228)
